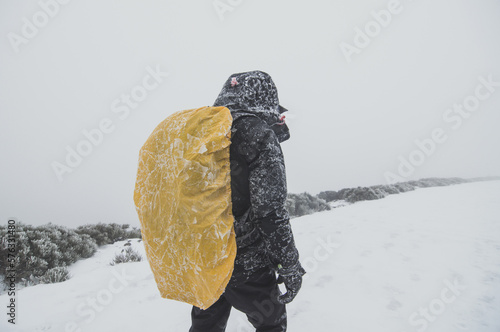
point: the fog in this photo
(377, 91)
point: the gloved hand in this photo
(292, 277)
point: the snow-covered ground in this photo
(427, 260)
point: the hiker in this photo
(265, 244)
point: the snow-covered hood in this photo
(254, 92)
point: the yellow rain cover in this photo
(183, 199)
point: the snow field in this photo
(426, 260)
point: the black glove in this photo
(292, 277)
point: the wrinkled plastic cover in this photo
(183, 199)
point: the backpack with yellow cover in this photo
(183, 200)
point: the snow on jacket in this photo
(258, 179)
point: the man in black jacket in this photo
(263, 234)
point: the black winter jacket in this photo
(258, 179)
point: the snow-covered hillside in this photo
(427, 260)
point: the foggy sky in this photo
(361, 104)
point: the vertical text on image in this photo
(10, 271)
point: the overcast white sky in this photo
(351, 122)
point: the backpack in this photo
(183, 199)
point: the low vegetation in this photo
(44, 252)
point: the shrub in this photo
(328, 196)
(43, 252)
(40, 249)
(302, 204)
(404, 187)
(389, 189)
(55, 274)
(108, 233)
(127, 255)
(362, 194)
(353, 195)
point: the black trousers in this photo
(255, 297)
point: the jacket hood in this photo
(254, 93)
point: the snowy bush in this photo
(43, 248)
(438, 182)
(353, 195)
(43, 252)
(55, 274)
(404, 187)
(328, 196)
(362, 194)
(108, 233)
(127, 255)
(36, 266)
(302, 204)
(388, 189)
(31, 281)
